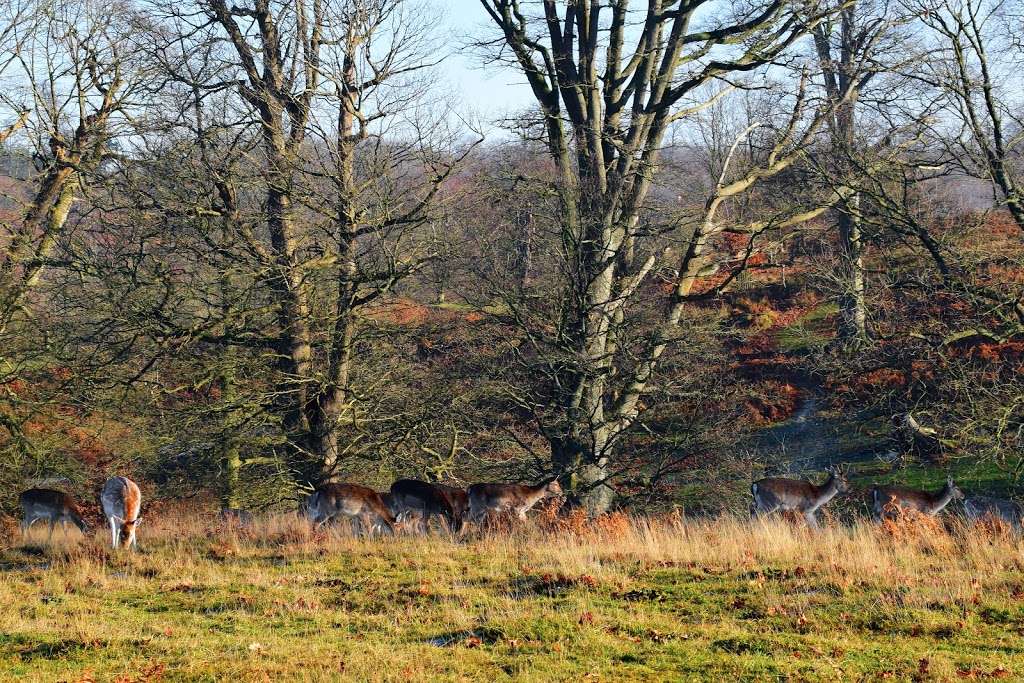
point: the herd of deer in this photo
(409, 503)
(776, 494)
(415, 504)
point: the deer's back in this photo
(498, 491)
(903, 497)
(785, 492)
(121, 497)
(49, 499)
(351, 499)
(421, 494)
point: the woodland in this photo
(250, 247)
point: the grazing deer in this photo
(401, 515)
(426, 500)
(391, 503)
(362, 505)
(121, 501)
(495, 499)
(777, 494)
(888, 501)
(54, 506)
(1011, 512)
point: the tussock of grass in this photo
(617, 599)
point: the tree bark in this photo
(853, 309)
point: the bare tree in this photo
(610, 81)
(284, 178)
(850, 51)
(973, 69)
(68, 72)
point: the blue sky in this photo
(488, 91)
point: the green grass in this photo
(636, 602)
(812, 330)
(972, 475)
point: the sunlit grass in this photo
(618, 599)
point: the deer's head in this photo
(954, 489)
(839, 476)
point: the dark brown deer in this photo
(776, 494)
(517, 499)
(888, 501)
(53, 506)
(428, 500)
(121, 501)
(360, 504)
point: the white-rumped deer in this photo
(776, 494)
(517, 499)
(979, 508)
(121, 501)
(53, 506)
(360, 504)
(887, 502)
(425, 500)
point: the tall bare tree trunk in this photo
(853, 310)
(845, 70)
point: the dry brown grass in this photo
(635, 598)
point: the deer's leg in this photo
(812, 520)
(113, 533)
(758, 510)
(53, 525)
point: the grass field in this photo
(614, 600)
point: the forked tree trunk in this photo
(607, 106)
(585, 473)
(843, 79)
